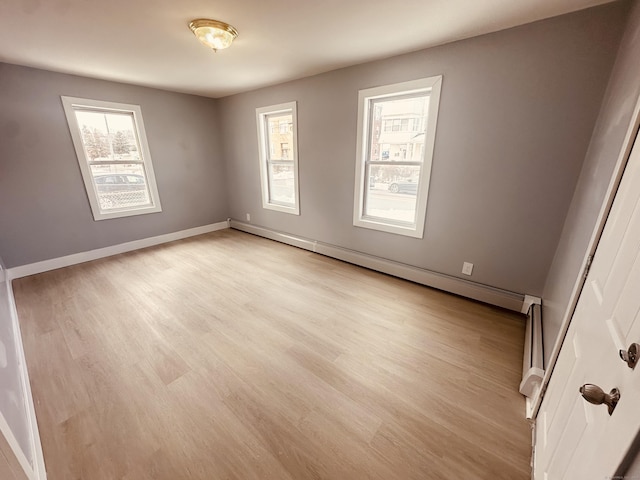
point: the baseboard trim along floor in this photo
(476, 291)
(76, 258)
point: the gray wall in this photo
(13, 404)
(606, 143)
(44, 210)
(516, 114)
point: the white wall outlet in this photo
(248, 217)
(467, 268)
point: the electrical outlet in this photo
(467, 268)
(248, 217)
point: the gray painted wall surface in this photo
(516, 114)
(44, 211)
(607, 141)
(12, 399)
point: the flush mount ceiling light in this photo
(212, 33)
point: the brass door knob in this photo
(594, 394)
(630, 357)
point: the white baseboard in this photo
(465, 288)
(299, 242)
(17, 451)
(74, 259)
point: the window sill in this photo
(125, 212)
(408, 231)
(295, 210)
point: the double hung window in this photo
(278, 153)
(114, 157)
(396, 134)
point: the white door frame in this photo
(618, 171)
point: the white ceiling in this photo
(148, 42)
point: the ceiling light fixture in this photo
(212, 33)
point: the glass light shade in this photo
(212, 33)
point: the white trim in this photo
(618, 171)
(292, 240)
(15, 448)
(37, 471)
(69, 104)
(60, 262)
(528, 413)
(533, 360)
(466, 288)
(263, 156)
(528, 301)
(430, 85)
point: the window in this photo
(284, 124)
(284, 148)
(278, 145)
(396, 134)
(114, 158)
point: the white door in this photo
(576, 439)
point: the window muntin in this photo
(278, 157)
(114, 157)
(396, 132)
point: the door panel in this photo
(576, 439)
(574, 430)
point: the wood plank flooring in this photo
(228, 356)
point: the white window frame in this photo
(430, 85)
(261, 115)
(73, 104)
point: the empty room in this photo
(319, 240)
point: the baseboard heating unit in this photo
(533, 362)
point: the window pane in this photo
(397, 130)
(279, 136)
(391, 192)
(120, 186)
(278, 157)
(108, 136)
(281, 184)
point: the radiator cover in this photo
(533, 362)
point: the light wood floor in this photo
(228, 356)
